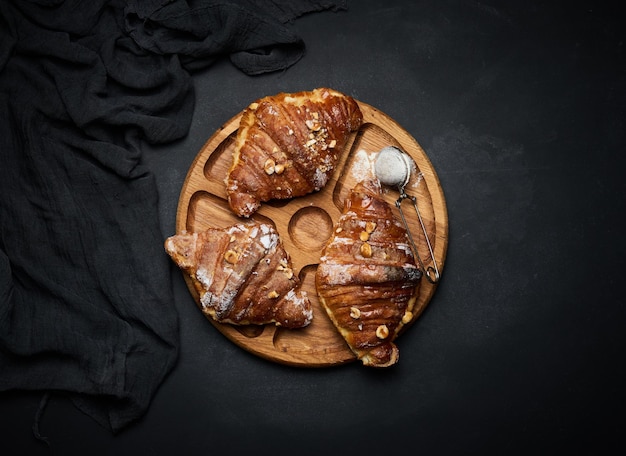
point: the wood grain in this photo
(305, 223)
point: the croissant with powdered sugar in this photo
(367, 279)
(288, 145)
(243, 275)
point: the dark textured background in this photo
(520, 107)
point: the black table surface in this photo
(520, 106)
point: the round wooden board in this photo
(305, 224)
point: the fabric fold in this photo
(86, 301)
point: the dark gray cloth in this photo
(86, 305)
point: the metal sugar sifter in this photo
(393, 168)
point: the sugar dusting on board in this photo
(363, 166)
(418, 180)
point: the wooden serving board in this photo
(305, 224)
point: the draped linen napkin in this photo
(86, 305)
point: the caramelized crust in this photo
(367, 279)
(288, 145)
(243, 275)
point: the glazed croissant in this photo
(367, 279)
(288, 145)
(243, 275)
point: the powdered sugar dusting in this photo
(269, 238)
(301, 300)
(319, 179)
(224, 302)
(204, 277)
(338, 274)
(207, 299)
(419, 177)
(269, 241)
(363, 165)
(253, 232)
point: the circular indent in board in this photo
(310, 227)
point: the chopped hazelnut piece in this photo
(283, 266)
(364, 236)
(312, 125)
(231, 256)
(370, 227)
(355, 312)
(382, 332)
(279, 168)
(332, 144)
(273, 294)
(366, 250)
(269, 166)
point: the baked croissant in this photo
(243, 275)
(367, 279)
(288, 145)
